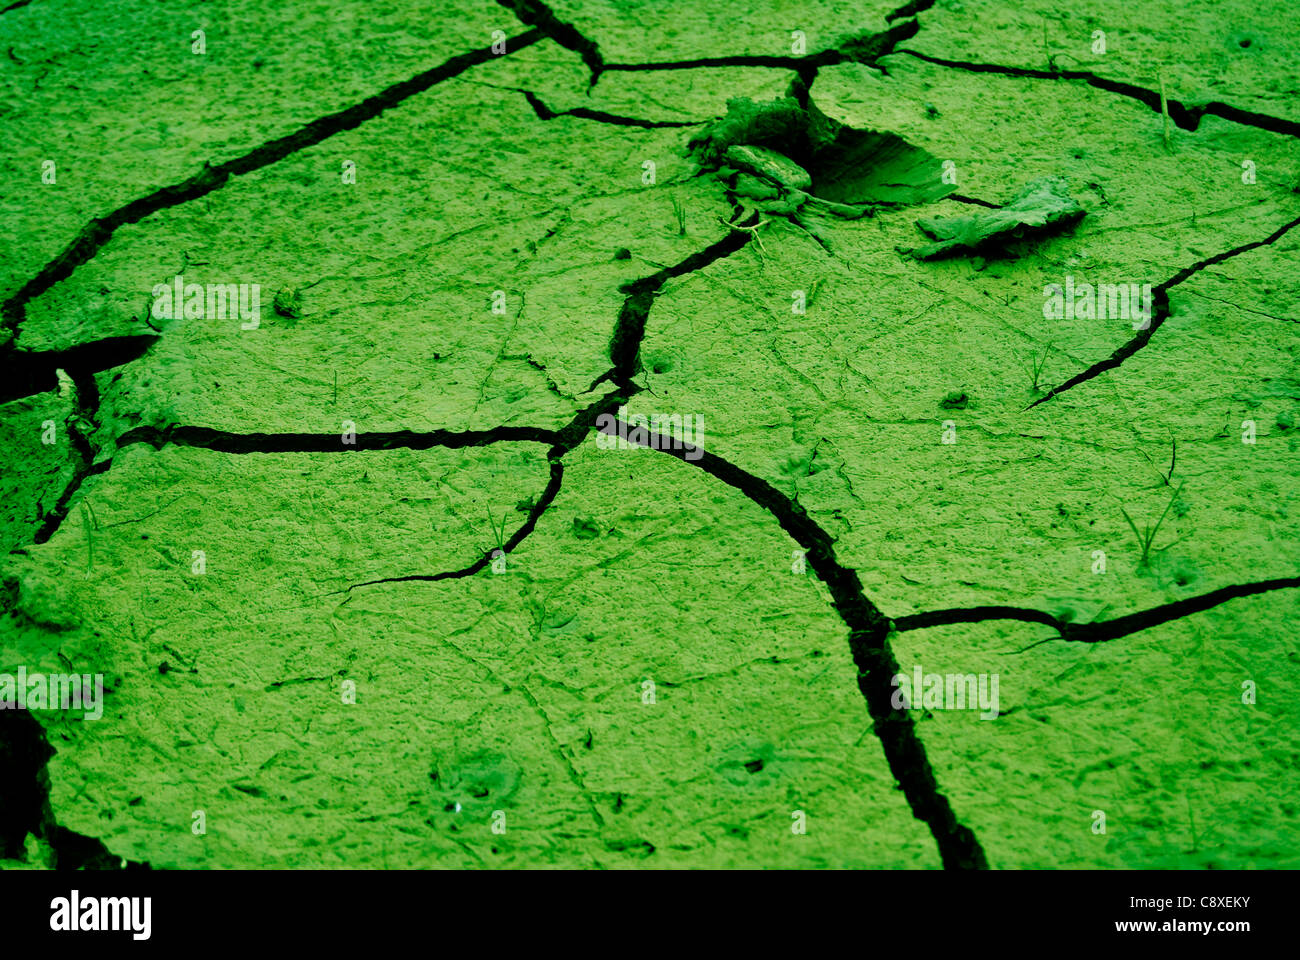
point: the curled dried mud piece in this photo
(780, 124)
(1040, 206)
(767, 164)
(786, 158)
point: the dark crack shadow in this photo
(865, 49)
(869, 647)
(1097, 631)
(1160, 313)
(582, 113)
(534, 13)
(1185, 116)
(25, 753)
(99, 231)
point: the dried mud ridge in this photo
(24, 750)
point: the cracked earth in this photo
(396, 486)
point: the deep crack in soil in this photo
(24, 749)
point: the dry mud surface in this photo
(365, 583)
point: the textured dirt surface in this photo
(566, 655)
